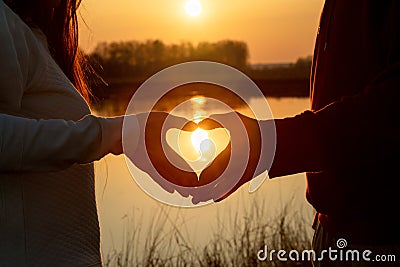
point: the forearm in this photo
(47, 145)
(351, 132)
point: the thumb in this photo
(214, 121)
(190, 126)
(173, 121)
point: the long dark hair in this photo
(60, 25)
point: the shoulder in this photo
(19, 48)
(17, 39)
(13, 31)
(3, 6)
(7, 16)
(11, 24)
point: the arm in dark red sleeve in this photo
(353, 131)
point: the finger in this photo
(175, 175)
(246, 177)
(173, 121)
(216, 168)
(182, 191)
(196, 199)
(209, 124)
(201, 196)
(220, 121)
(190, 126)
(166, 169)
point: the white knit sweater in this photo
(48, 139)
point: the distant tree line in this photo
(293, 71)
(134, 61)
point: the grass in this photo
(238, 236)
(165, 242)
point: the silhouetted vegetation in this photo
(235, 241)
(125, 65)
(134, 61)
(292, 71)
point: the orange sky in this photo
(275, 30)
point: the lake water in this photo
(123, 206)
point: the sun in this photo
(197, 138)
(193, 8)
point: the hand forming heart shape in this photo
(207, 87)
(234, 166)
(242, 165)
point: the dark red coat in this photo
(349, 142)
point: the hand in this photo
(153, 127)
(241, 156)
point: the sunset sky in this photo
(275, 30)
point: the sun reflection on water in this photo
(197, 103)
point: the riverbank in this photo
(122, 91)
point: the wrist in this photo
(267, 144)
(111, 138)
(130, 134)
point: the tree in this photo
(133, 60)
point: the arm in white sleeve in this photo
(42, 145)
(47, 145)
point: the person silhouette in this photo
(49, 139)
(348, 141)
